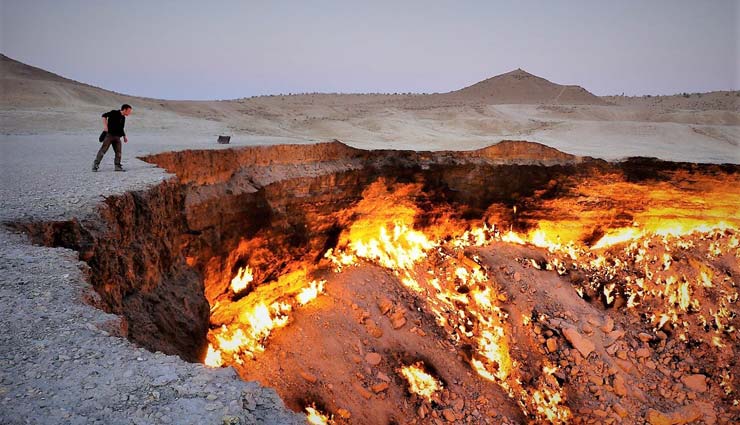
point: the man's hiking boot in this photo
(95, 169)
(119, 169)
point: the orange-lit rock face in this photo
(558, 289)
(606, 210)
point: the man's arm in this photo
(105, 124)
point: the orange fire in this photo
(634, 258)
(405, 249)
(310, 292)
(213, 357)
(383, 231)
(253, 318)
(420, 382)
(643, 268)
(242, 279)
(315, 417)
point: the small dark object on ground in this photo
(224, 140)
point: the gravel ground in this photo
(57, 363)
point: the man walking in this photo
(113, 123)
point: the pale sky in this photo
(231, 49)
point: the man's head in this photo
(126, 109)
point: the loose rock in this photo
(583, 345)
(696, 382)
(373, 359)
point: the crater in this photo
(323, 270)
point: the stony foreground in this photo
(58, 364)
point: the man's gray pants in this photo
(109, 140)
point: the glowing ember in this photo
(420, 382)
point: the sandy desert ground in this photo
(60, 363)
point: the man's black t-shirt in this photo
(116, 121)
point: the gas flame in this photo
(315, 417)
(369, 237)
(662, 227)
(248, 335)
(310, 292)
(656, 271)
(633, 258)
(420, 382)
(262, 322)
(242, 279)
(253, 318)
(495, 348)
(399, 250)
(471, 313)
(213, 357)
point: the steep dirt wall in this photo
(134, 250)
(211, 166)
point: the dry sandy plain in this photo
(62, 360)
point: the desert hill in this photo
(519, 86)
(512, 106)
(26, 86)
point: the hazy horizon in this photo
(230, 50)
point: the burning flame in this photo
(310, 292)
(262, 322)
(472, 313)
(242, 279)
(420, 382)
(213, 357)
(399, 250)
(653, 268)
(369, 238)
(315, 417)
(631, 259)
(253, 318)
(495, 348)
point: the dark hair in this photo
(126, 106)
